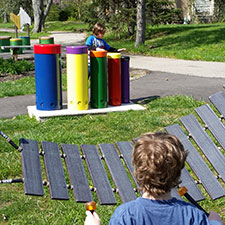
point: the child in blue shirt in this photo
(96, 41)
(158, 159)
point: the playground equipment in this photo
(46, 40)
(48, 77)
(77, 86)
(125, 79)
(4, 41)
(16, 42)
(98, 79)
(25, 41)
(205, 162)
(20, 20)
(77, 77)
(16, 45)
(114, 78)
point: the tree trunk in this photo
(5, 18)
(140, 30)
(40, 14)
(46, 11)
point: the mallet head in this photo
(90, 206)
(182, 191)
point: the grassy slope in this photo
(193, 42)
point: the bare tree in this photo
(140, 30)
(40, 13)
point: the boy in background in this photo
(96, 41)
(158, 159)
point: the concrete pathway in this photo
(65, 38)
(178, 66)
(160, 84)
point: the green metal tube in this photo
(4, 41)
(46, 40)
(16, 42)
(25, 41)
(98, 81)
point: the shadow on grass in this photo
(145, 100)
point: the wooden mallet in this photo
(183, 191)
(90, 206)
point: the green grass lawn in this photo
(23, 86)
(192, 42)
(89, 129)
(66, 26)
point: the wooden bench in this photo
(107, 168)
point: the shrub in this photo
(9, 66)
(53, 14)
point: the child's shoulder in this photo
(123, 212)
(91, 37)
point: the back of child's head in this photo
(99, 29)
(158, 159)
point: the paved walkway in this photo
(166, 77)
(186, 67)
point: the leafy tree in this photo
(12, 6)
(219, 13)
(75, 7)
(121, 14)
(163, 12)
(117, 14)
(5, 11)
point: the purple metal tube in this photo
(125, 79)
